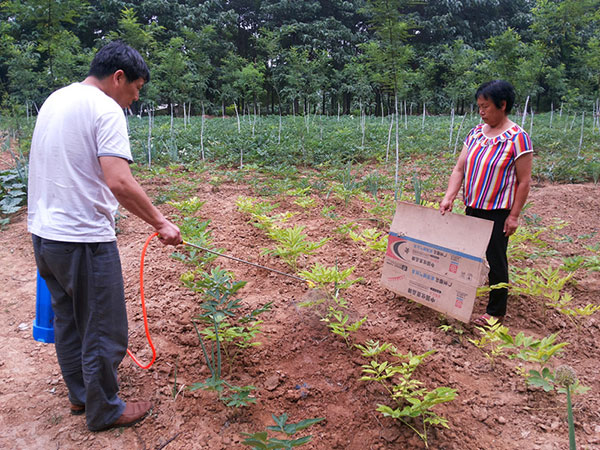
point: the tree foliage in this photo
(311, 55)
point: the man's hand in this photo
(169, 234)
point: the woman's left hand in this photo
(510, 225)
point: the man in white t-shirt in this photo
(78, 174)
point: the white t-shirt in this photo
(68, 199)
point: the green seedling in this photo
(573, 263)
(532, 350)
(345, 229)
(239, 335)
(374, 182)
(218, 288)
(548, 284)
(196, 232)
(337, 321)
(459, 331)
(527, 236)
(383, 210)
(371, 238)
(328, 212)
(292, 242)
(188, 207)
(259, 213)
(410, 400)
(330, 281)
(299, 191)
(253, 206)
(262, 441)
(490, 342)
(305, 202)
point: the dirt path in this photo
(300, 368)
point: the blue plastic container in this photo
(43, 324)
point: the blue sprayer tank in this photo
(43, 324)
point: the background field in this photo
(321, 171)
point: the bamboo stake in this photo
(387, 153)
(451, 125)
(573, 123)
(551, 113)
(581, 136)
(149, 137)
(458, 134)
(397, 145)
(202, 133)
(171, 118)
(237, 116)
(524, 112)
(279, 131)
(423, 121)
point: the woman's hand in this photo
(510, 225)
(455, 182)
(446, 205)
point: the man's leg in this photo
(105, 340)
(66, 334)
(90, 322)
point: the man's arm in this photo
(130, 194)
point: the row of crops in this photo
(567, 146)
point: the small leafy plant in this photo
(262, 441)
(411, 401)
(330, 281)
(188, 207)
(13, 193)
(371, 238)
(219, 288)
(490, 342)
(259, 213)
(293, 242)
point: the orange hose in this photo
(144, 309)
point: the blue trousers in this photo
(90, 322)
(497, 258)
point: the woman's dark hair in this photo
(118, 55)
(497, 91)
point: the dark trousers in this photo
(90, 322)
(496, 256)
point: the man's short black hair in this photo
(118, 55)
(497, 91)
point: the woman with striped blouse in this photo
(495, 167)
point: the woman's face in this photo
(490, 113)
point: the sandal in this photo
(484, 319)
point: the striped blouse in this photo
(490, 174)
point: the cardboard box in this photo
(438, 261)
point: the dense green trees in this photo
(311, 56)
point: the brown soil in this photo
(301, 368)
